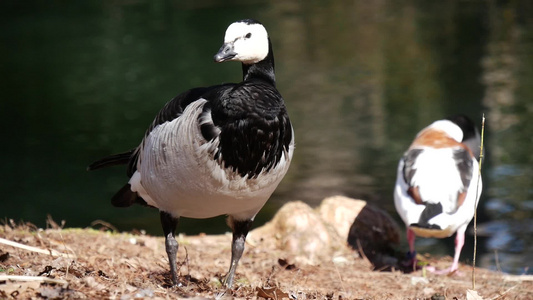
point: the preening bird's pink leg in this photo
(411, 240)
(412, 253)
(459, 243)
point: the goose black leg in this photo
(169, 224)
(240, 230)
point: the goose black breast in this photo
(254, 127)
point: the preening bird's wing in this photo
(464, 163)
(409, 160)
(409, 171)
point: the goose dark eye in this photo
(248, 35)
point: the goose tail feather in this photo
(112, 160)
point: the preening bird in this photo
(218, 150)
(437, 189)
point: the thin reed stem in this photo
(475, 203)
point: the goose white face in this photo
(244, 42)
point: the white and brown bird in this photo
(437, 188)
(218, 150)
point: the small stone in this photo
(299, 230)
(340, 260)
(416, 280)
(340, 212)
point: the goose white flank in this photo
(218, 150)
(437, 189)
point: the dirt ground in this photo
(94, 264)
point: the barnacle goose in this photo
(218, 150)
(437, 177)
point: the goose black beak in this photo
(225, 53)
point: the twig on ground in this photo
(503, 294)
(340, 278)
(187, 261)
(44, 279)
(104, 224)
(362, 253)
(33, 249)
(53, 224)
(518, 277)
(497, 261)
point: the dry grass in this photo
(106, 265)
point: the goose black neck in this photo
(262, 70)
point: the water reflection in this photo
(507, 75)
(360, 78)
